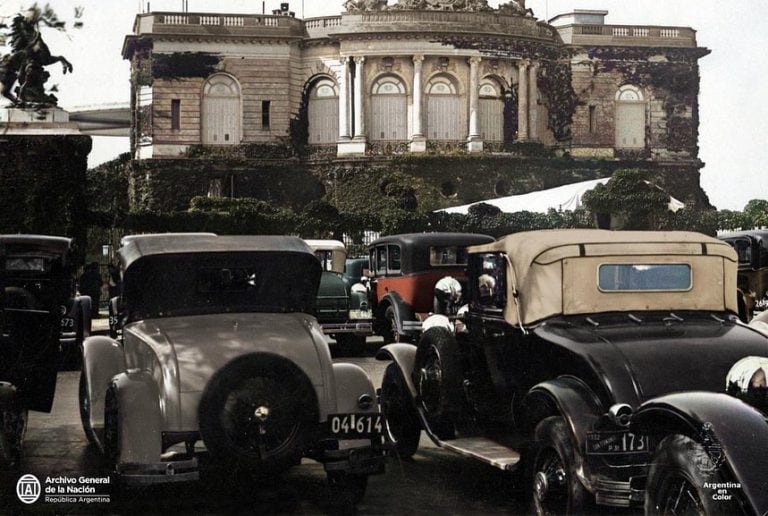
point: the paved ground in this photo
(433, 482)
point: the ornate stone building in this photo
(353, 98)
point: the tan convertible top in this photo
(555, 271)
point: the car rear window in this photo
(633, 277)
(447, 255)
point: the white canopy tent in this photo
(561, 198)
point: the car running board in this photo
(485, 450)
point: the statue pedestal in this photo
(28, 121)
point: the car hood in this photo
(639, 362)
(200, 345)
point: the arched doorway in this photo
(630, 118)
(221, 116)
(388, 109)
(491, 111)
(323, 112)
(443, 110)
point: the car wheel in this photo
(255, 413)
(347, 490)
(679, 470)
(389, 326)
(348, 344)
(556, 488)
(85, 408)
(403, 428)
(438, 378)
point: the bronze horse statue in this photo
(29, 54)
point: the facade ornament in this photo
(352, 6)
(23, 67)
(515, 8)
(443, 5)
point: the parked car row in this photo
(599, 367)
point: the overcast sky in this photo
(733, 137)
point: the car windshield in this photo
(638, 277)
(171, 285)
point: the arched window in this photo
(323, 113)
(443, 110)
(630, 118)
(388, 110)
(491, 111)
(221, 113)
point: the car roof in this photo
(323, 245)
(760, 234)
(427, 239)
(542, 261)
(549, 245)
(139, 246)
(54, 244)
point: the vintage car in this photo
(406, 269)
(343, 310)
(219, 360)
(599, 359)
(752, 278)
(36, 280)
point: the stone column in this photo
(533, 103)
(474, 143)
(418, 141)
(522, 102)
(359, 116)
(344, 100)
(356, 145)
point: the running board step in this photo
(485, 450)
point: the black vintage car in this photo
(599, 359)
(36, 280)
(752, 248)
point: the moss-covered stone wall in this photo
(367, 184)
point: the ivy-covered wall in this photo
(363, 185)
(170, 184)
(43, 186)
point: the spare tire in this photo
(256, 412)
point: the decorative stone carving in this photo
(365, 5)
(515, 7)
(443, 5)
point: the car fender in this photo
(403, 311)
(576, 403)
(102, 360)
(404, 355)
(740, 430)
(354, 389)
(139, 421)
(84, 304)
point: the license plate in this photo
(616, 443)
(67, 323)
(355, 425)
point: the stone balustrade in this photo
(628, 34)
